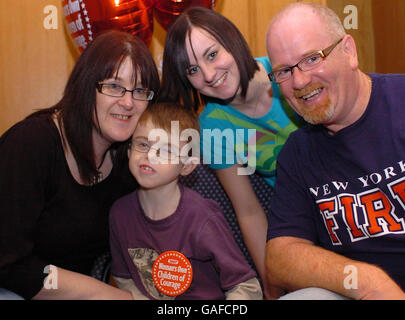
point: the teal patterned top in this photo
(229, 136)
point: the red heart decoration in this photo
(87, 18)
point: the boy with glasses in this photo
(163, 216)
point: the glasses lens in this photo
(310, 62)
(112, 90)
(166, 152)
(141, 146)
(282, 74)
(142, 94)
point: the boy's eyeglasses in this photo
(163, 151)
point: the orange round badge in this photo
(172, 273)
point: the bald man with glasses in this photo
(337, 220)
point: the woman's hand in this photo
(62, 284)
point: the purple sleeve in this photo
(216, 241)
(292, 208)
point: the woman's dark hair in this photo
(175, 86)
(77, 108)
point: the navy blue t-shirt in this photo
(346, 192)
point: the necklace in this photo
(370, 81)
(99, 176)
(102, 159)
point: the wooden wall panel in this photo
(252, 18)
(389, 32)
(363, 35)
(35, 62)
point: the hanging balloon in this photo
(87, 18)
(166, 11)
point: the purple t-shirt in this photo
(346, 192)
(197, 229)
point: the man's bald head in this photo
(306, 12)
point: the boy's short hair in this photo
(163, 113)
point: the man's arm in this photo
(294, 263)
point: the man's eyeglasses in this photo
(115, 90)
(306, 64)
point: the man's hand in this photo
(385, 290)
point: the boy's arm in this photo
(250, 215)
(215, 241)
(247, 290)
(129, 285)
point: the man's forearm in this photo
(294, 263)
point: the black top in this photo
(46, 217)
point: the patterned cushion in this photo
(204, 181)
(101, 267)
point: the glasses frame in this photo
(170, 154)
(124, 91)
(323, 53)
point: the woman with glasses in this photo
(207, 63)
(62, 168)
